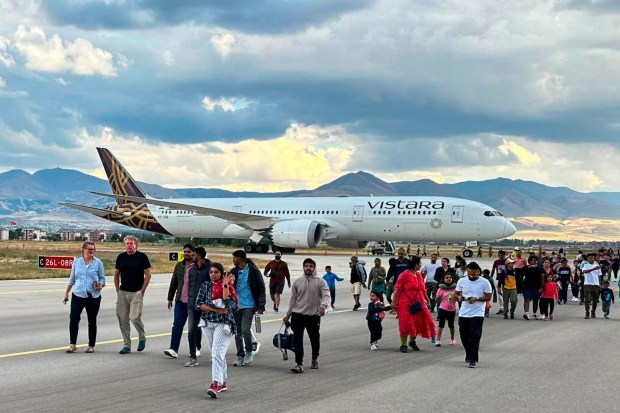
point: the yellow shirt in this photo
(510, 282)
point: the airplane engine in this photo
(348, 244)
(298, 233)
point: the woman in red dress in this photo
(410, 289)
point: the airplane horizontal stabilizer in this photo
(218, 213)
(100, 212)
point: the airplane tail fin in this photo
(120, 181)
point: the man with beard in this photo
(277, 271)
(309, 299)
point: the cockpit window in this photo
(488, 213)
(497, 213)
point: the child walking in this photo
(331, 278)
(607, 297)
(486, 274)
(375, 316)
(447, 308)
(548, 298)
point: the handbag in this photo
(414, 306)
(284, 341)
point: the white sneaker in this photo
(248, 359)
(191, 363)
(171, 353)
(197, 353)
(255, 347)
(239, 362)
(542, 318)
(373, 347)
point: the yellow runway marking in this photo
(59, 290)
(41, 281)
(99, 343)
(30, 292)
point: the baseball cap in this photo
(517, 249)
(509, 261)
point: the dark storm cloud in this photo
(256, 16)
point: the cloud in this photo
(257, 16)
(168, 57)
(223, 43)
(5, 58)
(10, 94)
(225, 104)
(308, 156)
(53, 55)
(525, 157)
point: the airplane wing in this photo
(100, 212)
(218, 213)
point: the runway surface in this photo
(568, 364)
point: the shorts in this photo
(446, 315)
(276, 288)
(356, 288)
(531, 295)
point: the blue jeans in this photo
(180, 318)
(470, 330)
(243, 336)
(194, 335)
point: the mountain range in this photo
(38, 194)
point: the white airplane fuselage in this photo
(423, 219)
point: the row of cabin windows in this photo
(294, 212)
(405, 212)
(174, 211)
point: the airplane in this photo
(299, 222)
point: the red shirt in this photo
(217, 291)
(550, 290)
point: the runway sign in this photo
(56, 263)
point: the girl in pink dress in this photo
(410, 289)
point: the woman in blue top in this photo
(87, 279)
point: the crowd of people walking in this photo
(219, 306)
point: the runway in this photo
(567, 364)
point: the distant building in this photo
(99, 235)
(31, 234)
(68, 235)
(4, 234)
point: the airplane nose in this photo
(509, 229)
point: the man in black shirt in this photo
(132, 275)
(564, 274)
(532, 284)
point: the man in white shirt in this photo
(473, 292)
(591, 288)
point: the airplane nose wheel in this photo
(468, 253)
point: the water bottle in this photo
(257, 326)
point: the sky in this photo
(274, 95)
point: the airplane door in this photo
(358, 213)
(457, 214)
(236, 209)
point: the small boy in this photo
(607, 297)
(331, 278)
(486, 274)
(374, 317)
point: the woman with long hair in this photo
(217, 299)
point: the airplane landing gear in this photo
(467, 253)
